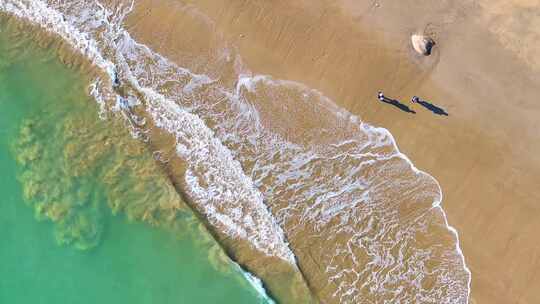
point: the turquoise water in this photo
(78, 221)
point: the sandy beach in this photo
(483, 71)
(290, 172)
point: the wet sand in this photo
(485, 154)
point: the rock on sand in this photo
(422, 44)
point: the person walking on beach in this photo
(433, 108)
(394, 102)
(380, 96)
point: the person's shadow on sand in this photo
(433, 108)
(397, 104)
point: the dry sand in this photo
(484, 71)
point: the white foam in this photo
(39, 13)
(257, 284)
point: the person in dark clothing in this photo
(380, 96)
(431, 107)
(394, 102)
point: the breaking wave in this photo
(278, 164)
(257, 284)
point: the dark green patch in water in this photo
(86, 216)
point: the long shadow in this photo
(433, 108)
(398, 105)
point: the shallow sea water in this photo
(75, 225)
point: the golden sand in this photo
(483, 72)
(485, 154)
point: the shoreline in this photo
(392, 134)
(284, 280)
(484, 154)
(171, 51)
